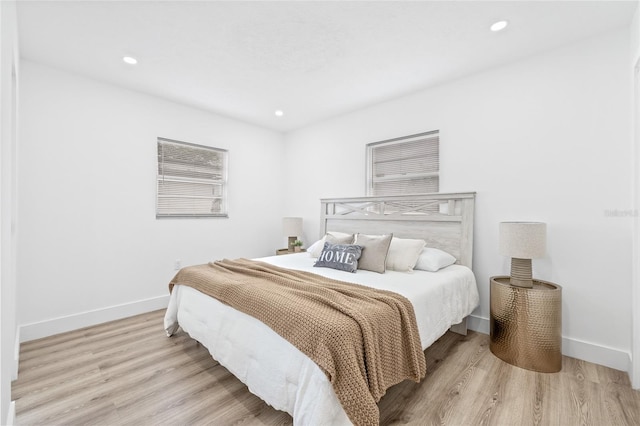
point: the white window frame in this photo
(371, 180)
(187, 183)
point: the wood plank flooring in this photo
(128, 372)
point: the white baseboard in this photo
(16, 355)
(603, 355)
(479, 324)
(58, 325)
(598, 354)
(11, 415)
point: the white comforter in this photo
(278, 372)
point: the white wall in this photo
(634, 66)
(544, 139)
(91, 248)
(635, 34)
(9, 71)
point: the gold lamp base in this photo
(526, 324)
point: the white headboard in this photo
(444, 221)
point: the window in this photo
(406, 165)
(192, 180)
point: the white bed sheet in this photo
(278, 372)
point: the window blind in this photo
(406, 165)
(192, 180)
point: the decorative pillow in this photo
(403, 254)
(339, 256)
(331, 237)
(432, 259)
(374, 251)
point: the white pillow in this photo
(337, 238)
(314, 247)
(432, 259)
(403, 254)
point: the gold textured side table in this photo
(526, 324)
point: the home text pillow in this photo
(374, 251)
(403, 254)
(331, 237)
(432, 259)
(339, 256)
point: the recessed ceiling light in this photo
(130, 60)
(499, 26)
(279, 113)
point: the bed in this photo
(283, 376)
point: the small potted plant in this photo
(297, 246)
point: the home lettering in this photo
(337, 256)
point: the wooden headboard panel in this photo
(444, 221)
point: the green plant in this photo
(297, 243)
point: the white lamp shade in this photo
(523, 240)
(291, 226)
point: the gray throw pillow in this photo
(374, 251)
(339, 256)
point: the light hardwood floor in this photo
(128, 372)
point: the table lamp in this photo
(522, 241)
(291, 228)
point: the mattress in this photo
(278, 372)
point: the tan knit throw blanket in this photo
(364, 339)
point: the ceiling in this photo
(311, 59)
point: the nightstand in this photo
(526, 324)
(286, 251)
